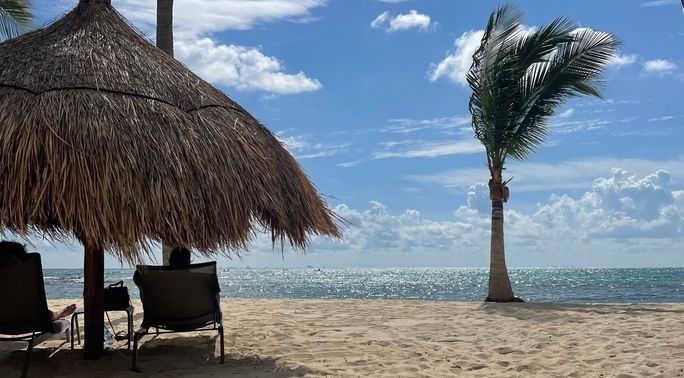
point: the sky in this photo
(370, 97)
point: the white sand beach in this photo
(391, 338)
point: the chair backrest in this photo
(178, 297)
(22, 294)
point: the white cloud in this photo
(457, 63)
(243, 68)
(620, 60)
(664, 118)
(201, 17)
(393, 1)
(567, 113)
(349, 164)
(567, 126)
(381, 19)
(411, 20)
(660, 66)
(418, 149)
(660, 3)
(566, 175)
(620, 220)
(240, 67)
(620, 215)
(301, 147)
(448, 125)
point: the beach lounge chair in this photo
(25, 314)
(178, 299)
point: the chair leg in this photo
(134, 366)
(137, 336)
(72, 332)
(78, 331)
(130, 329)
(222, 346)
(27, 361)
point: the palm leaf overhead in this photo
(15, 18)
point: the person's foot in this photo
(68, 310)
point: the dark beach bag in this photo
(116, 297)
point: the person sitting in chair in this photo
(179, 256)
(11, 252)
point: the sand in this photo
(390, 338)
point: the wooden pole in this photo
(94, 302)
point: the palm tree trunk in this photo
(500, 289)
(165, 25)
(165, 42)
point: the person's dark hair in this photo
(11, 252)
(179, 256)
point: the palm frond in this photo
(573, 69)
(15, 18)
(519, 79)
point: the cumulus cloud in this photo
(243, 68)
(659, 66)
(457, 63)
(239, 67)
(411, 20)
(620, 60)
(619, 216)
(617, 210)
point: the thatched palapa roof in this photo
(105, 137)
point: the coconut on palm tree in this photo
(15, 18)
(519, 78)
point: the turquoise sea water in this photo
(570, 285)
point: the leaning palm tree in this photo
(15, 18)
(519, 78)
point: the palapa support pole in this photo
(93, 266)
(94, 301)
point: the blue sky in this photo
(369, 96)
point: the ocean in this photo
(559, 285)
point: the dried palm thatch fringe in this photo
(106, 138)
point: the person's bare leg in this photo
(66, 311)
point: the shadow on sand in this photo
(192, 356)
